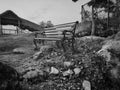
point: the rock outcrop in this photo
(9, 78)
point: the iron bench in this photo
(59, 33)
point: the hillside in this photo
(10, 42)
(95, 65)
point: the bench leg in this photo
(35, 43)
(73, 42)
(43, 42)
(63, 45)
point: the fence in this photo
(9, 31)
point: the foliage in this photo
(42, 24)
(100, 3)
(46, 24)
(104, 25)
(49, 24)
(74, 0)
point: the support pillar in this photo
(19, 26)
(1, 27)
(108, 19)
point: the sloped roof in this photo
(9, 14)
(10, 18)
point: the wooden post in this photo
(1, 26)
(108, 16)
(17, 30)
(82, 16)
(93, 22)
(19, 25)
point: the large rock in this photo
(9, 78)
(109, 48)
(67, 63)
(86, 85)
(86, 38)
(117, 36)
(19, 50)
(37, 55)
(35, 76)
(54, 70)
(68, 72)
(91, 42)
(77, 70)
(105, 54)
(31, 74)
(43, 50)
(111, 51)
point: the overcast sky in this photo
(58, 11)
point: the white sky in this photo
(58, 11)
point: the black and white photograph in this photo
(59, 44)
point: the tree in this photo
(49, 24)
(42, 24)
(74, 0)
(110, 9)
(46, 24)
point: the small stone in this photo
(50, 82)
(36, 55)
(105, 54)
(31, 74)
(47, 69)
(86, 85)
(40, 72)
(77, 70)
(67, 64)
(68, 72)
(49, 60)
(54, 70)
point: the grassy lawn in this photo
(10, 42)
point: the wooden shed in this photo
(10, 18)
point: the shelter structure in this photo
(10, 18)
(105, 16)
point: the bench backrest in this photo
(61, 32)
(57, 31)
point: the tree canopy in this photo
(46, 24)
(98, 3)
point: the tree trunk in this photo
(93, 22)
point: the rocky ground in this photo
(94, 66)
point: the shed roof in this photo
(10, 18)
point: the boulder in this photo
(86, 38)
(86, 85)
(111, 52)
(68, 72)
(9, 78)
(105, 54)
(54, 70)
(19, 50)
(46, 48)
(91, 42)
(36, 55)
(77, 70)
(67, 63)
(31, 74)
(111, 47)
(43, 50)
(117, 36)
